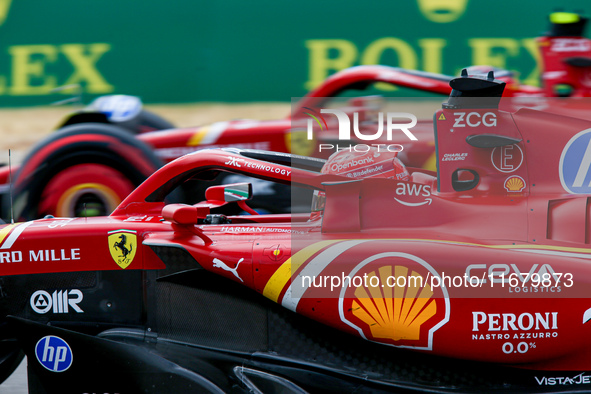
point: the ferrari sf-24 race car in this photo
(472, 278)
(93, 162)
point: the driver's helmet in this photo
(356, 165)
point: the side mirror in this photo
(229, 193)
(184, 214)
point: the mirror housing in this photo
(184, 214)
(229, 193)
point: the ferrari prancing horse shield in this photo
(122, 245)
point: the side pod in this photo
(79, 363)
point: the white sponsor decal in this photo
(413, 190)
(336, 167)
(246, 229)
(474, 119)
(454, 157)
(54, 255)
(217, 263)
(173, 153)
(59, 301)
(512, 322)
(59, 222)
(144, 218)
(16, 256)
(345, 126)
(571, 45)
(18, 230)
(507, 158)
(234, 161)
(564, 380)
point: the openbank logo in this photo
(344, 125)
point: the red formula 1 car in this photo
(474, 278)
(92, 163)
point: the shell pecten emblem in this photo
(396, 305)
(514, 184)
(123, 246)
(395, 316)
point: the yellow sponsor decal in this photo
(431, 163)
(514, 184)
(397, 316)
(283, 274)
(123, 246)
(325, 57)
(297, 142)
(198, 136)
(442, 11)
(30, 64)
(4, 7)
(5, 231)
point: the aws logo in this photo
(409, 189)
(442, 11)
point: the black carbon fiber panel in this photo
(176, 258)
(16, 290)
(202, 308)
(297, 337)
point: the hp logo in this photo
(53, 353)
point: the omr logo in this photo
(53, 353)
(61, 302)
(4, 7)
(345, 125)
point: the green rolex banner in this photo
(188, 51)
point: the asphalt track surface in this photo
(17, 382)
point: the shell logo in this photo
(395, 318)
(396, 305)
(514, 184)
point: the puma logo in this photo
(217, 263)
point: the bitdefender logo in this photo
(392, 124)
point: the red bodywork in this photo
(565, 60)
(523, 218)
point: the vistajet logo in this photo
(395, 122)
(564, 380)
